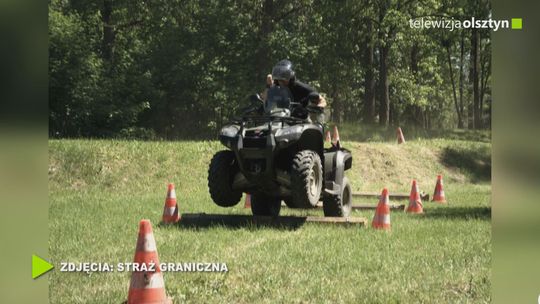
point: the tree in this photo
(179, 69)
(369, 79)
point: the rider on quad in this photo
(275, 151)
(283, 75)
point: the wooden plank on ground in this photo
(204, 220)
(395, 196)
(374, 206)
(363, 206)
(337, 220)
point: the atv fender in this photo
(312, 139)
(336, 162)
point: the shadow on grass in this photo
(475, 162)
(202, 220)
(205, 221)
(463, 213)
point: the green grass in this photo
(99, 190)
(375, 133)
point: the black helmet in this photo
(283, 70)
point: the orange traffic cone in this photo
(438, 194)
(147, 286)
(400, 138)
(381, 219)
(247, 202)
(335, 137)
(170, 210)
(415, 202)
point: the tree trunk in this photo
(393, 115)
(384, 107)
(448, 44)
(108, 31)
(263, 62)
(416, 110)
(369, 81)
(486, 69)
(477, 124)
(461, 80)
(384, 49)
(337, 106)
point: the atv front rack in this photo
(266, 119)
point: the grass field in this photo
(100, 189)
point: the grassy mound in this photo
(143, 166)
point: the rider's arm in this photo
(322, 102)
(269, 83)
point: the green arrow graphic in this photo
(39, 266)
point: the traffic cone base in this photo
(417, 208)
(438, 194)
(170, 210)
(147, 286)
(147, 290)
(381, 219)
(442, 201)
(170, 214)
(415, 202)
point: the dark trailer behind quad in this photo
(276, 152)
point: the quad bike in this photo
(277, 153)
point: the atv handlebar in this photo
(297, 108)
(267, 118)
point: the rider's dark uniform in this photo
(300, 91)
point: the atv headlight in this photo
(229, 131)
(288, 131)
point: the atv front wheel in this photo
(265, 205)
(339, 206)
(306, 179)
(289, 203)
(221, 172)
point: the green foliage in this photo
(180, 69)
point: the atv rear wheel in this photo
(262, 204)
(339, 206)
(306, 179)
(221, 172)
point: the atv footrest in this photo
(331, 188)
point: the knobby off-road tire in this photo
(339, 206)
(262, 204)
(306, 179)
(221, 172)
